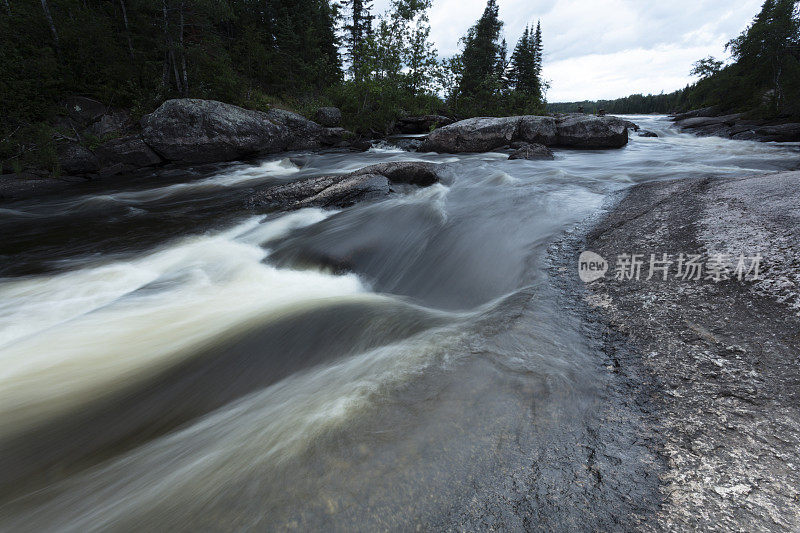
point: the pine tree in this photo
(768, 48)
(481, 60)
(357, 34)
(536, 47)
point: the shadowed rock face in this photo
(130, 150)
(484, 134)
(196, 131)
(368, 183)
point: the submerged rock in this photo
(532, 151)
(484, 134)
(646, 133)
(367, 183)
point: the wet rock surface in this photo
(733, 126)
(368, 183)
(722, 357)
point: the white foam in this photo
(70, 337)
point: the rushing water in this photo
(169, 359)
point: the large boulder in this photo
(198, 131)
(532, 151)
(330, 117)
(586, 131)
(479, 134)
(538, 130)
(302, 134)
(131, 150)
(368, 183)
(484, 134)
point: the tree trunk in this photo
(50, 21)
(165, 69)
(127, 28)
(183, 58)
(175, 71)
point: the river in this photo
(170, 359)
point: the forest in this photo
(304, 54)
(298, 55)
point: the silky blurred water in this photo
(171, 360)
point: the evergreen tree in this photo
(482, 59)
(357, 34)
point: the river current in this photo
(170, 359)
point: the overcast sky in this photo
(598, 49)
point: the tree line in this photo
(299, 54)
(762, 79)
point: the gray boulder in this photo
(586, 131)
(204, 131)
(77, 159)
(484, 134)
(646, 133)
(538, 130)
(330, 117)
(130, 150)
(369, 183)
(532, 151)
(479, 134)
(302, 134)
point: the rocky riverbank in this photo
(717, 357)
(97, 142)
(709, 121)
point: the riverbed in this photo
(171, 359)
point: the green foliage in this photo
(633, 104)
(708, 66)
(482, 81)
(765, 76)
